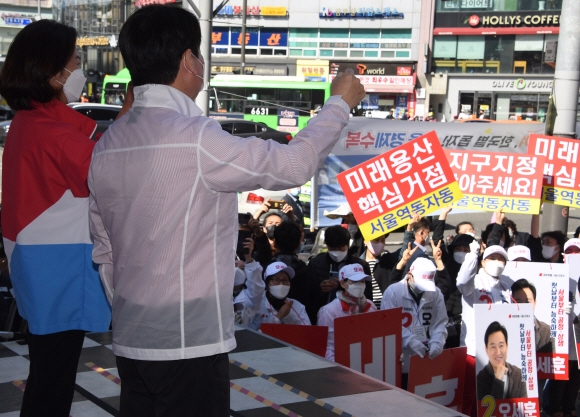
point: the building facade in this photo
(15, 14)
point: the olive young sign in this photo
(383, 191)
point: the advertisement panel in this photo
(385, 190)
(371, 343)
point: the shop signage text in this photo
(360, 13)
(143, 3)
(93, 41)
(515, 20)
(236, 11)
(522, 84)
(18, 19)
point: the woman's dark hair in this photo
(461, 224)
(287, 237)
(509, 223)
(557, 235)
(495, 327)
(39, 52)
(153, 40)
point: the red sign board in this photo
(440, 380)
(491, 180)
(383, 191)
(404, 71)
(371, 343)
(310, 338)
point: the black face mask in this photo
(270, 231)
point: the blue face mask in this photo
(301, 247)
(295, 192)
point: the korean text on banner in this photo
(385, 190)
(440, 380)
(561, 185)
(491, 180)
(551, 321)
(371, 343)
(573, 261)
(505, 353)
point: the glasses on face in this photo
(278, 281)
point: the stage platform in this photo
(269, 378)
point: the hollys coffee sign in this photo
(514, 20)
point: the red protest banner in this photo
(414, 177)
(440, 380)
(560, 183)
(310, 338)
(371, 343)
(491, 180)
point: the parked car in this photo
(247, 128)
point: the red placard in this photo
(371, 343)
(491, 180)
(310, 338)
(384, 190)
(561, 182)
(440, 380)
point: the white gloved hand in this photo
(567, 307)
(435, 350)
(474, 247)
(418, 347)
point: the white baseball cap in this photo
(572, 242)
(495, 249)
(423, 271)
(239, 277)
(519, 251)
(354, 272)
(276, 267)
(342, 211)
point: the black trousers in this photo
(53, 370)
(180, 388)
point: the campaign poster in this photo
(440, 380)
(371, 343)
(573, 262)
(311, 338)
(385, 190)
(551, 322)
(493, 181)
(561, 184)
(287, 120)
(505, 366)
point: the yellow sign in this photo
(312, 67)
(273, 11)
(525, 205)
(94, 41)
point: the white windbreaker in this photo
(326, 316)
(163, 216)
(248, 301)
(480, 288)
(430, 315)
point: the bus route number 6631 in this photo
(260, 110)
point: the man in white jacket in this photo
(163, 215)
(486, 286)
(424, 312)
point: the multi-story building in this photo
(494, 57)
(15, 14)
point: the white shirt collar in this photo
(421, 247)
(159, 95)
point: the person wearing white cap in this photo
(350, 299)
(249, 288)
(519, 253)
(486, 286)
(571, 247)
(424, 312)
(275, 306)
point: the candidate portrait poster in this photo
(505, 367)
(552, 285)
(573, 262)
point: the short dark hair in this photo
(461, 224)
(336, 236)
(38, 52)
(495, 327)
(270, 214)
(559, 236)
(153, 40)
(522, 284)
(510, 224)
(421, 224)
(287, 237)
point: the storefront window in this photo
(497, 5)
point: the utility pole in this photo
(243, 38)
(205, 19)
(565, 95)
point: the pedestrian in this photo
(164, 182)
(44, 211)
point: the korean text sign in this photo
(371, 343)
(561, 183)
(440, 380)
(504, 344)
(573, 262)
(491, 180)
(414, 177)
(552, 286)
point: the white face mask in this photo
(337, 255)
(74, 84)
(471, 234)
(511, 233)
(203, 82)
(567, 256)
(356, 289)
(427, 240)
(459, 257)
(548, 251)
(376, 248)
(279, 291)
(494, 268)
